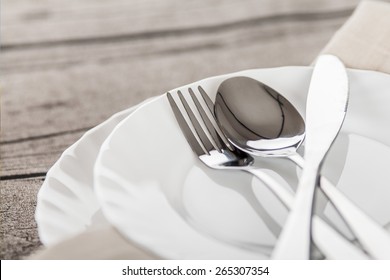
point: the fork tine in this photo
(195, 123)
(210, 106)
(207, 121)
(191, 139)
(207, 99)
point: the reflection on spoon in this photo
(257, 119)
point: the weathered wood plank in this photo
(63, 54)
(43, 97)
(44, 93)
(18, 230)
(33, 157)
(27, 22)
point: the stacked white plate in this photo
(137, 172)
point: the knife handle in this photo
(294, 241)
(330, 242)
(374, 238)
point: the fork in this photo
(215, 151)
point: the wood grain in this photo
(18, 228)
(68, 65)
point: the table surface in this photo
(67, 65)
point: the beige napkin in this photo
(97, 244)
(363, 42)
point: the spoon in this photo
(240, 106)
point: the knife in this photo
(326, 107)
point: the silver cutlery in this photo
(325, 112)
(240, 126)
(215, 151)
(326, 107)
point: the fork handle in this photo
(331, 243)
(374, 238)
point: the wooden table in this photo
(67, 65)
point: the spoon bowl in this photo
(257, 119)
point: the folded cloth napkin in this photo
(363, 42)
(104, 243)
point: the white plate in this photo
(156, 192)
(67, 204)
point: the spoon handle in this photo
(374, 238)
(331, 243)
